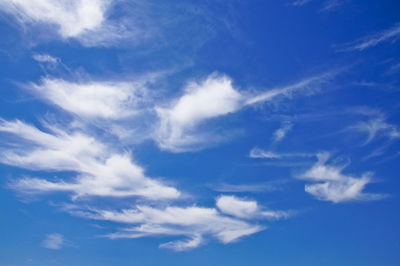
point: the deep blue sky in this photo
(212, 133)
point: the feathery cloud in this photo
(100, 170)
(331, 5)
(258, 153)
(376, 127)
(111, 100)
(300, 2)
(46, 58)
(332, 185)
(84, 20)
(281, 133)
(195, 223)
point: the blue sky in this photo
(199, 132)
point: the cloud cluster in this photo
(101, 171)
(330, 184)
(228, 223)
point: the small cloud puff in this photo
(54, 241)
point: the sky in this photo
(231, 132)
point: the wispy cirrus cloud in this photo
(331, 5)
(258, 153)
(281, 132)
(372, 40)
(300, 2)
(330, 184)
(377, 127)
(241, 188)
(195, 223)
(46, 58)
(100, 170)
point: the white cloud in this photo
(259, 153)
(72, 17)
(237, 207)
(101, 171)
(195, 223)
(54, 241)
(332, 185)
(192, 222)
(178, 128)
(306, 86)
(280, 133)
(238, 188)
(84, 20)
(111, 100)
(246, 209)
(208, 99)
(330, 5)
(373, 40)
(46, 58)
(300, 2)
(377, 127)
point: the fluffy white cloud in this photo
(208, 99)
(110, 100)
(84, 20)
(332, 185)
(246, 209)
(195, 223)
(54, 241)
(101, 171)
(178, 128)
(237, 207)
(72, 17)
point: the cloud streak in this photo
(373, 40)
(281, 133)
